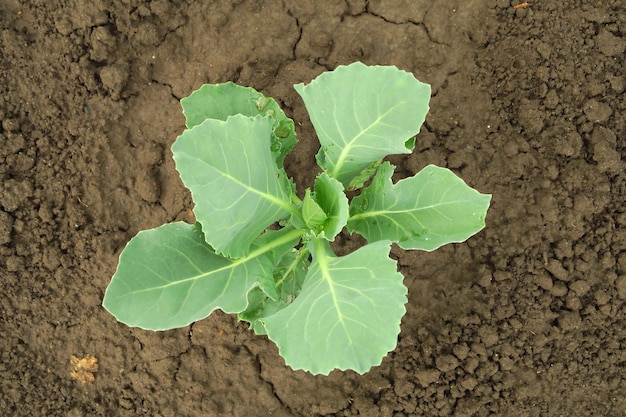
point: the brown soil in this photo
(525, 319)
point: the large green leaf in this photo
(219, 101)
(236, 186)
(363, 113)
(347, 315)
(426, 211)
(169, 277)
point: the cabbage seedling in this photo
(259, 251)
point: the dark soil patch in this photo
(525, 319)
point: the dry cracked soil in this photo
(527, 318)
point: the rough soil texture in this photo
(525, 319)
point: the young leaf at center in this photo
(330, 198)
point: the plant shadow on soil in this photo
(526, 318)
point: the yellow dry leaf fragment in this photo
(83, 369)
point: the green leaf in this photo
(267, 282)
(219, 101)
(347, 315)
(313, 215)
(426, 211)
(289, 275)
(363, 113)
(169, 277)
(332, 200)
(237, 188)
(358, 181)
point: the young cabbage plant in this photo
(259, 251)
